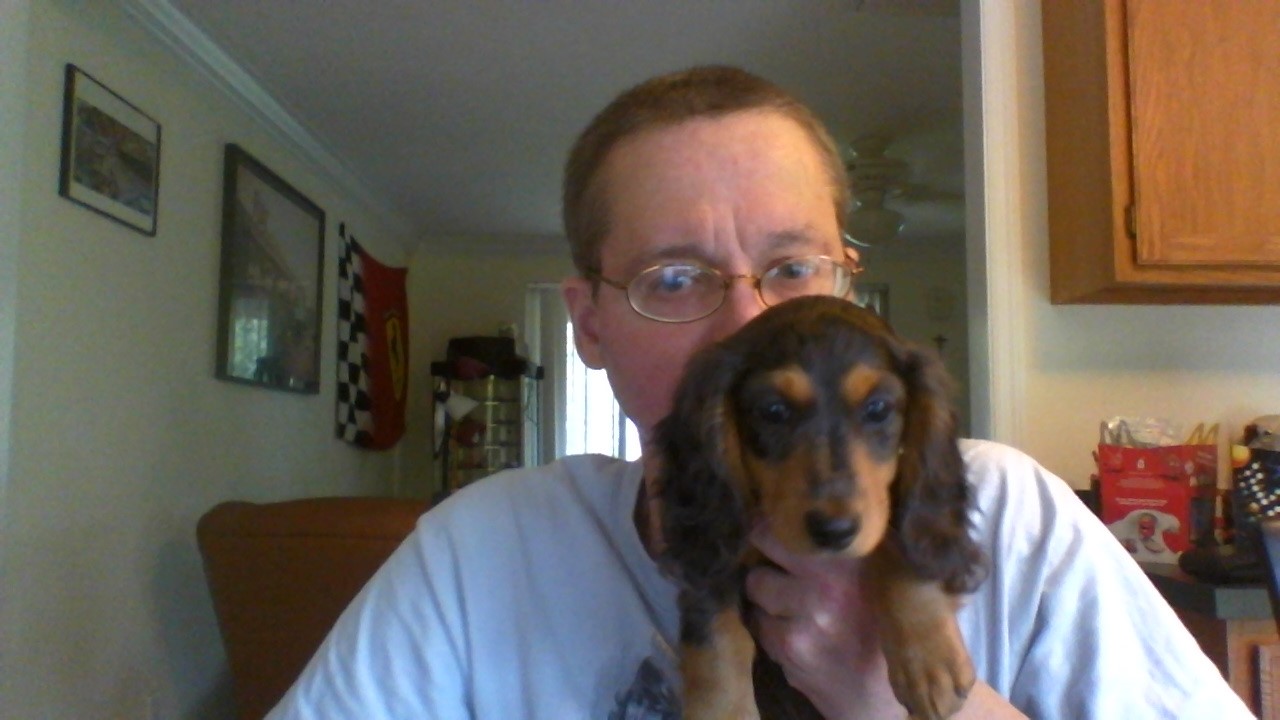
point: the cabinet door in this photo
(1162, 139)
(1204, 82)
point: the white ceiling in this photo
(460, 113)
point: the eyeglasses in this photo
(684, 292)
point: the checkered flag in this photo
(355, 417)
(373, 347)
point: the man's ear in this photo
(579, 299)
(852, 255)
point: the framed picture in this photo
(271, 279)
(110, 153)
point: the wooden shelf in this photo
(1229, 621)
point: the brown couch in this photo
(281, 573)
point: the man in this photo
(535, 593)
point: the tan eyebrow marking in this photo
(858, 383)
(794, 384)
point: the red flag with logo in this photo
(373, 349)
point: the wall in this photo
(13, 54)
(1085, 363)
(462, 287)
(14, 16)
(121, 437)
(927, 300)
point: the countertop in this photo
(1239, 601)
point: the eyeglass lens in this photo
(684, 292)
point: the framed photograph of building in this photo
(271, 279)
(110, 153)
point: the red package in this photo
(1158, 501)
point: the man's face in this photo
(1146, 525)
(734, 193)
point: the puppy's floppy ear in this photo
(931, 495)
(704, 506)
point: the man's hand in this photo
(813, 618)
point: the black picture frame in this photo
(110, 153)
(271, 279)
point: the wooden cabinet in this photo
(1162, 125)
(1231, 623)
(1232, 645)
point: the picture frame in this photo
(110, 153)
(270, 281)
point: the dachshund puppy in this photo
(817, 417)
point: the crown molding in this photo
(191, 43)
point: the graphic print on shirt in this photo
(650, 696)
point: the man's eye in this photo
(774, 412)
(795, 269)
(876, 411)
(672, 280)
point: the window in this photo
(581, 412)
(594, 422)
(251, 323)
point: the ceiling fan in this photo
(873, 178)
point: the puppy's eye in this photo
(876, 411)
(774, 411)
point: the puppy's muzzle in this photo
(830, 532)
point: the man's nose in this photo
(741, 304)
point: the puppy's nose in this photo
(830, 533)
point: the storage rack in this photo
(490, 437)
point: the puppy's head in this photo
(816, 416)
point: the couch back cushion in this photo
(281, 573)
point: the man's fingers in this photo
(771, 632)
(811, 564)
(791, 641)
(773, 591)
(773, 549)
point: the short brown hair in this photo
(706, 91)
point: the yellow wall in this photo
(120, 435)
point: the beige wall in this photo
(1081, 364)
(121, 436)
(13, 54)
(927, 299)
(461, 287)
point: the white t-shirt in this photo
(530, 595)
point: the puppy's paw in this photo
(716, 674)
(718, 709)
(712, 694)
(929, 668)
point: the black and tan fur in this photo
(816, 416)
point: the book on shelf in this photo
(1269, 682)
